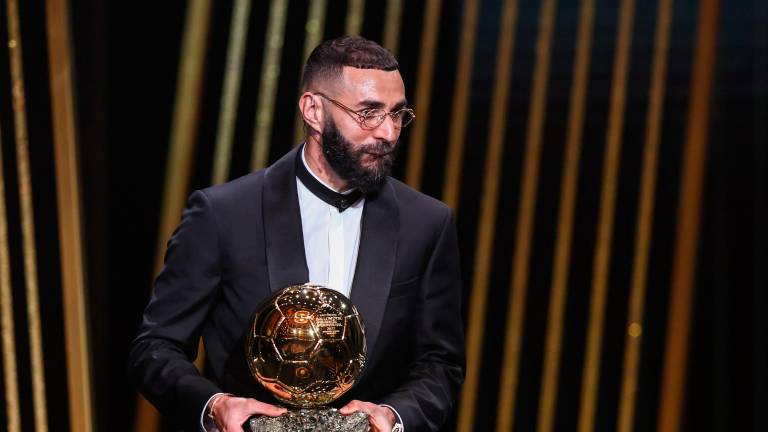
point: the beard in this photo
(347, 161)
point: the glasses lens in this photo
(373, 118)
(404, 118)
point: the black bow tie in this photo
(338, 200)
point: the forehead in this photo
(371, 84)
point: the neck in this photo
(313, 153)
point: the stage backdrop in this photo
(606, 161)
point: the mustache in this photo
(379, 148)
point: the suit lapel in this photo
(376, 261)
(286, 262)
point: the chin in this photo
(372, 162)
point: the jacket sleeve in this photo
(161, 356)
(426, 398)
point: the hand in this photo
(230, 412)
(381, 419)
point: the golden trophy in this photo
(306, 345)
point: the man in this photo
(326, 213)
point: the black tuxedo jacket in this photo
(239, 242)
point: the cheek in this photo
(359, 137)
(345, 123)
(353, 133)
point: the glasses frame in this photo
(360, 117)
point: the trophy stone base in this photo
(311, 420)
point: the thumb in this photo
(349, 408)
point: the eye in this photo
(372, 113)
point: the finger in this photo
(232, 425)
(351, 407)
(234, 420)
(261, 408)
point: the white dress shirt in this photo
(331, 237)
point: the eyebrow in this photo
(374, 104)
(402, 104)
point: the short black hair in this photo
(329, 58)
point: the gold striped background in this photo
(454, 106)
(27, 216)
(606, 217)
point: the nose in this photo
(387, 130)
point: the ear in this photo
(311, 110)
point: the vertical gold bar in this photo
(644, 219)
(11, 385)
(525, 225)
(76, 332)
(460, 110)
(270, 72)
(314, 34)
(185, 120)
(392, 25)
(27, 218)
(238, 31)
(182, 148)
(688, 217)
(559, 289)
(485, 229)
(423, 93)
(601, 266)
(355, 14)
(315, 26)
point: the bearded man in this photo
(326, 213)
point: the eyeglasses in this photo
(372, 118)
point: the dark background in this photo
(126, 69)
